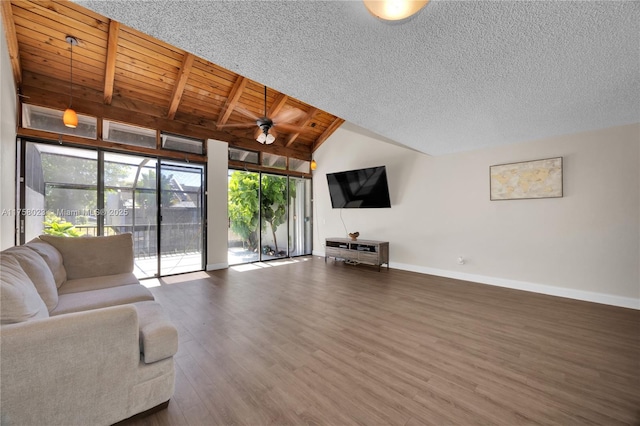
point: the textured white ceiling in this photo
(460, 75)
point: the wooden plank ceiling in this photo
(124, 75)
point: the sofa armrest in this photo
(81, 362)
(158, 335)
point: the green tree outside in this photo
(244, 205)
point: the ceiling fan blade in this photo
(288, 116)
(246, 113)
(289, 128)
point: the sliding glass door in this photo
(273, 211)
(74, 192)
(130, 201)
(182, 218)
(244, 217)
(269, 216)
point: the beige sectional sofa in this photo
(81, 340)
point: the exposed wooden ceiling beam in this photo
(178, 88)
(307, 119)
(325, 135)
(12, 41)
(54, 96)
(110, 63)
(277, 105)
(232, 100)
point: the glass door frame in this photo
(283, 174)
(20, 234)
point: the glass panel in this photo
(243, 155)
(299, 165)
(130, 206)
(273, 213)
(60, 191)
(244, 217)
(182, 226)
(41, 118)
(181, 143)
(300, 216)
(125, 133)
(274, 161)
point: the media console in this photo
(359, 251)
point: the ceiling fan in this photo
(268, 125)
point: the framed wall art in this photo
(526, 180)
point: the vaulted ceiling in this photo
(458, 76)
(123, 74)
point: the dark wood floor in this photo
(309, 343)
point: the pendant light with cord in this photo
(70, 118)
(265, 123)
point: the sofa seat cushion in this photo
(52, 256)
(158, 335)
(97, 283)
(95, 299)
(38, 272)
(86, 257)
(18, 296)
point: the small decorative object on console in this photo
(354, 235)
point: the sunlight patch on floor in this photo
(261, 265)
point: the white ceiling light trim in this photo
(394, 10)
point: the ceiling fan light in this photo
(394, 10)
(262, 138)
(70, 118)
(270, 139)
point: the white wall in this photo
(217, 222)
(584, 245)
(7, 147)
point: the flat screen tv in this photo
(359, 189)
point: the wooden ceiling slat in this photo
(143, 57)
(56, 43)
(42, 59)
(140, 42)
(210, 69)
(155, 80)
(178, 89)
(205, 94)
(62, 73)
(57, 86)
(125, 91)
(204, 104)
(12, 41)
(59, 24)
(71, 10)
(110, 63)
(133, 89)
(232, 100)
(212, 80)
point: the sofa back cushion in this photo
(19, 298)
(52, 256)
(86, 257)
(38, 272)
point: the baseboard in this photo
(587, 296)
(216, 266)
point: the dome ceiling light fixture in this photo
(70, 118)
(394, 10)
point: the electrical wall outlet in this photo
(461, 260)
